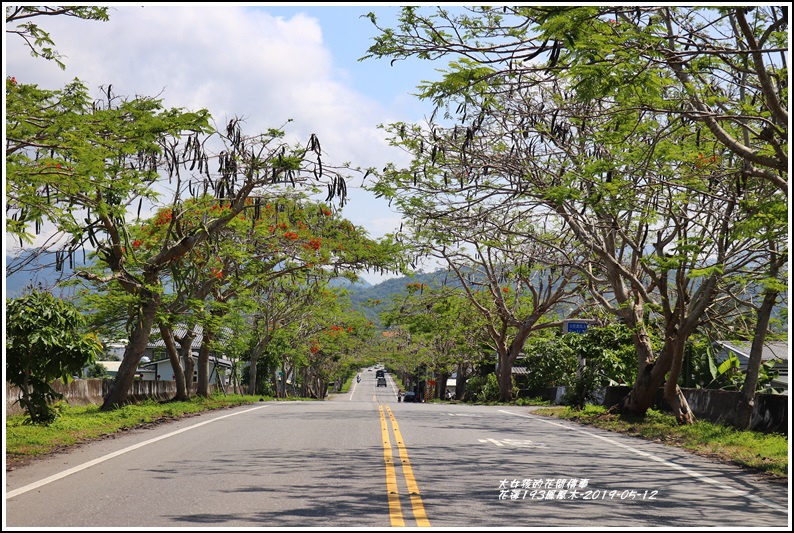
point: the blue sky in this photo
(265, 63)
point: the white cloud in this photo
(231, 60)
(234, 61)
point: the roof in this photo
(772, 349)
(179, 332)
(110, 366)
(780, 382)
(221, 362)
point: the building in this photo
(160, 365)
(114, 350)
(112, 368)
(773, 351)
(163, 371)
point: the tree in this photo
(581, 109)
(38, 40)
(97, 371)
(330, 340)
(44, 342)
(441, 319)
(512, 264)
(83, 165)
(722, 67)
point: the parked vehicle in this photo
(411, 397)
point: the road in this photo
(363, 460)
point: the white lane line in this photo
(104, 458)
(692, 473)
(352, 391)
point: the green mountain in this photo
(373, 299)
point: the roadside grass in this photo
(763, 452)
(347, 384)
(78, 424)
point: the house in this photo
(160, 365)
(773, 350)
(452, 381)
(162, 370)
(114, 350)
(112, 368)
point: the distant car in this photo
(411, 397)
(380, 374)
(369, 370)
(382, 382)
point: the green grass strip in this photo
(79, 424)
(764, 452)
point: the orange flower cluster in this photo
(313, 244)
(703, 161)
(163, 217)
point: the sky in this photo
(266, 63)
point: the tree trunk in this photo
(649, 376)
(460, 381)
(252, 374)
(202, 388)
(441, 386)
(255, 355)
(139, 339)
(504, 376)
(219, 380)
(173, 357)
(186, 352)
(26, 400)
(235, 382)
(747, 400)
(672, 394)
(678, 404)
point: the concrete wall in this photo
(770, 413)
(93, 391)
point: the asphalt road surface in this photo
(363, 460)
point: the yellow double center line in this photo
(395, 511)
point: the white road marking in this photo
(687, 471)
(515, 442)
(104, 458)
(352, 391)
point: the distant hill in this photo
(382, 293)
(346, 283)
(39, 270)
